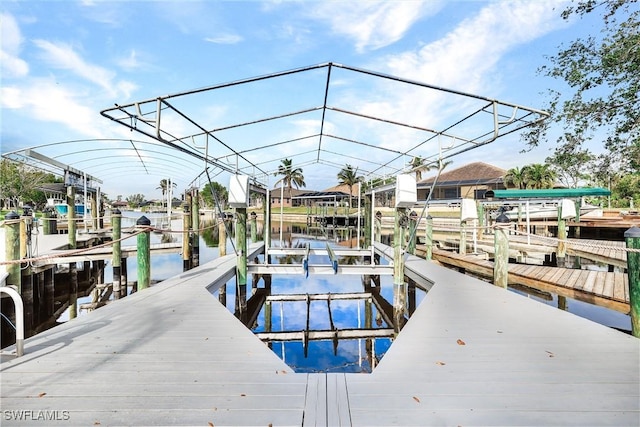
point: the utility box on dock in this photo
(406, 191)
(239, 191)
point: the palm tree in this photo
(539, 176)
(417, 164)
(164, 186)
(349, 176)
(516, 177)
(290, 176)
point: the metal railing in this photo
(19, 326)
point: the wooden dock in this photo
(610, 290)
(472, 354)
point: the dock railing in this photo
(19, 326)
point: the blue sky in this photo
(65, 61)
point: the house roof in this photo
(275, 192)
(473, 173)
(342, 189)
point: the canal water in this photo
(354, 355)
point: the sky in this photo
(65, 61)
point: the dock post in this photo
(46, 222)
(378, 227)
(71, 216)
(429, 239)
(241, 266)
(481, 217)
(94, 210)
(561, 251)
(222, 235)
(12, 249)
(195, 225)
(367, 221)
(116, 254)
(462, 249)
(73, 272)
(413, 229)
(399, 287)
(254, 227)
(186, 238)
(632, 240)
(501, 248)
(144, 256)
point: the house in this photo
(470, 181)
(288, 196)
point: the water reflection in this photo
(320, 323)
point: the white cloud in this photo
(225, 39)
(464, 58)
(63, 56)
(10, 63)
(48, 101)
(373, 24)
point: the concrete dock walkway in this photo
(472, 354)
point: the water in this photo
(355, 355)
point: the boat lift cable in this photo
(221, 214)
(139, 157)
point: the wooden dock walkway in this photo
(606, 289)
(472, 354)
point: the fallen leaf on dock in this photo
(550, 353)
(210, 424)
(416, 399)
(42, 394)
(242, 395)
(440, 363)
(460, 342)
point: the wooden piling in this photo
(116, 256)
(12, 249)
(399, 287)
(222, 236)
(254, 227)
(429, 238)
(71, 216)
(367, 221)
(413, 228)
(501, 248)
(186, 238)
(561, 251)
(241, 265)
(632, 241)
(94, 210)
(144, 255)
(378, 227)
(195, 226)
(462, 249)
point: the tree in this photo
(135, 200)
(569, 163)
(290, 176)
(165, 186)
(349, 176)
(627, 191)
(538, 176)
(515, 177)
(213, 191)
(602, 73)
(20, 183)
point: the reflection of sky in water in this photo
(351, 356)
